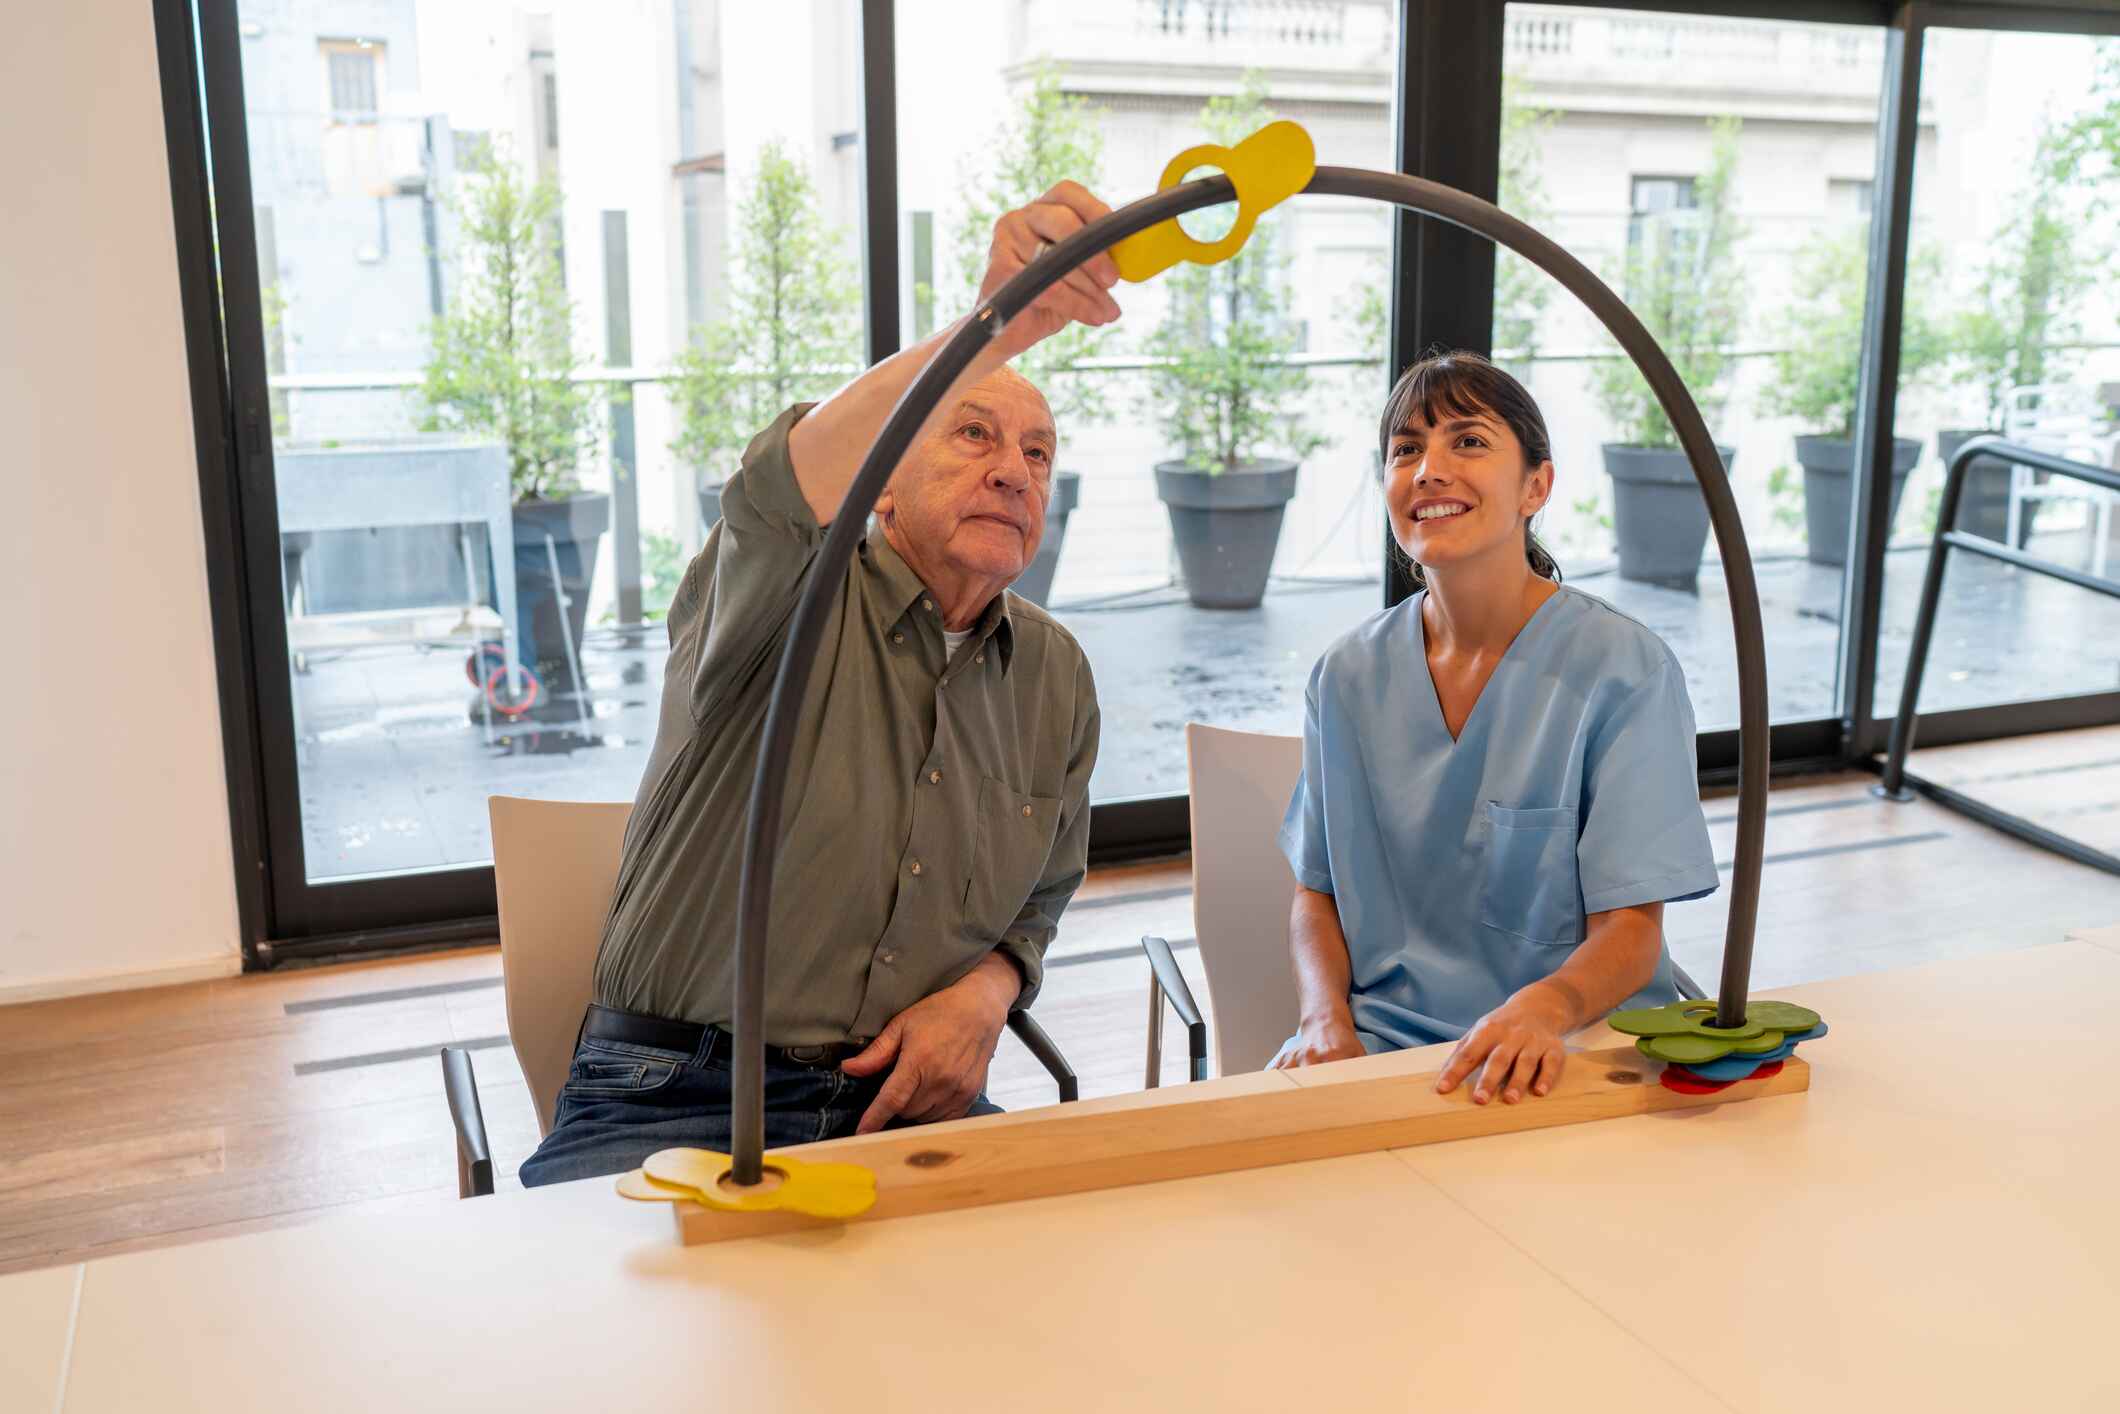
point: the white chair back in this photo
(1242, 888)
(555, 865)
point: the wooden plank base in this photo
(1093, 1145)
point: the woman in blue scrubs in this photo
(1498, 792)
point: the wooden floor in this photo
(154, 1117)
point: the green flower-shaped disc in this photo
(1781, 1016)
(1762, 1031)
(1689, 1049)
(1681, 1019)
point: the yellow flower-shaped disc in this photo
(1267, 168)
(819, 1190)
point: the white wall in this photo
(115, 865)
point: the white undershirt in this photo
(951, 642)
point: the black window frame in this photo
(1447, 115)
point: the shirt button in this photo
(916, 866)
(934, 778)
(979, 657)
(888, 957)
(927, 604)
(897, 638)
(1026, 812)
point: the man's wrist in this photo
(1003, 976)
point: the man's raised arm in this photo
(827, 446)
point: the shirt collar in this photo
(903, 590)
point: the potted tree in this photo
(502, 363)
(793, 328)
(2024, 304)
(1817, 373)
(1682, 280)
(1521, 289)
(1225, 394)
(1052, 138)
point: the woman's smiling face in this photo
(1459, 488)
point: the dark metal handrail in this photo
(1897, 782)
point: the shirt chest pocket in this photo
(1015, 838)
(1532, 889)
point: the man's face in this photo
(972, 496)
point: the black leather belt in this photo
(633, 1029)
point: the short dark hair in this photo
(1461, 383)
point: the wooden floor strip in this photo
(1790, 856)
(1138, 896)
(437, 989)
(316, 1067)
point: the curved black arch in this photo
(769, 784)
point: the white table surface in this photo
(36, 1318)
(1932, 1226)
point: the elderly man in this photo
(939, 798)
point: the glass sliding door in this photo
(1717, 173)
(2013, 326)
(996, 103)
(510, 260)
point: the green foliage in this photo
(1521, 290)
(1053, 138)
(501, 360)
(1682, 280)
(1223, 391)
(793, 329)
(662, 561)
(2090, 142)
(1817, 369)
(2026, 300)
(1785, 496)
(272, 304)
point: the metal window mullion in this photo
(879, 176)
(1446, 113)
(213, 428)
(243, 334)
(1884, 303)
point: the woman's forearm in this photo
(1318, 948)
(1618, 956)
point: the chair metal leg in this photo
(1155, 1031)
(1167, 983)
(1047, 1052)
(474, 1155)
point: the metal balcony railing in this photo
(1898, 783)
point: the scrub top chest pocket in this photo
(1016, 834)
(1532, 890)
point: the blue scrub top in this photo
(1464, 870)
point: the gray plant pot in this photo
(1984, 507)
(1828, 491)
(1036, 581)
(576, 527)
(1225, 527)
(1659, 516)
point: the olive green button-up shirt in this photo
(937, 807)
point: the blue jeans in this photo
(623, 1102)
